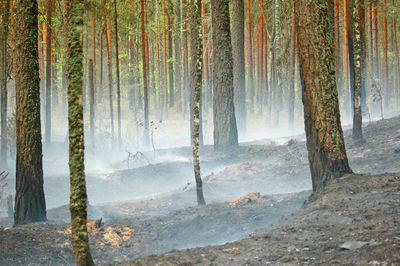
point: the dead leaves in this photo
(249, 198)
(113, 236)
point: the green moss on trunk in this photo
(78, 198)
(325, 143)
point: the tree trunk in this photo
(118, 76)
(109, 64)
(349, 18)
(5, 5)
(225, 131)
(91, 102)
(165, 87)
(325, 143)
(197, 72)
(78, 198)
(49, 11)
(359, 66)
(145, 75)
(292, 63)
(170, 64)
(30, 205)
(250, 88)
(239, 74)
(386, 89)
(338, 61)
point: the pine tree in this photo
(197, 84)
(30, 205)
(239, 75)
(325, 143)
(73, 12)
(225, 131)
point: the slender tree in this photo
(225, 131)
(359, 66)
(73, 12)
(250, 68)
(30, 205)
(197, 83)
(145, 74)
(325, 143)
(292, 63)
(4, 6)
(239, 75)
(48, 29)
(107, 25)
(170, 65)
(118, 75)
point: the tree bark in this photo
(118, 76)
(359, 66)
(225, 131)
(325, 143)
(197, 57)
(48, 25)
(78, 199)
(292, 63)
(30, 205)
(5, 5)
(239, 74)
(145, 75)
(250, 88)
(109, 64)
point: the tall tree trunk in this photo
(225, 131)
(239, 74)
(359, 66)
(5, 5)
(165, 87)
(30, 205)
(250, 87)
(178, 56)
(78, 198)
(350, 46)
(197, 83)
(109, 64)
(145, 75)
(170, 64)
(397, 61)
(49, 11)
(118, 76)
(325, 143)
(91, 102)
(292, 63)
(386, 89)
(338, 57)
(277, 61)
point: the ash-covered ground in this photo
(151, 208)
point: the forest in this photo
(207, 132)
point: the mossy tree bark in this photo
(197, 71)
(225, 131)
(239, 75)
(325, 143)
(30, 203)
(78, 199)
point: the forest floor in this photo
(355, 219)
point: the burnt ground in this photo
(360, 211)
